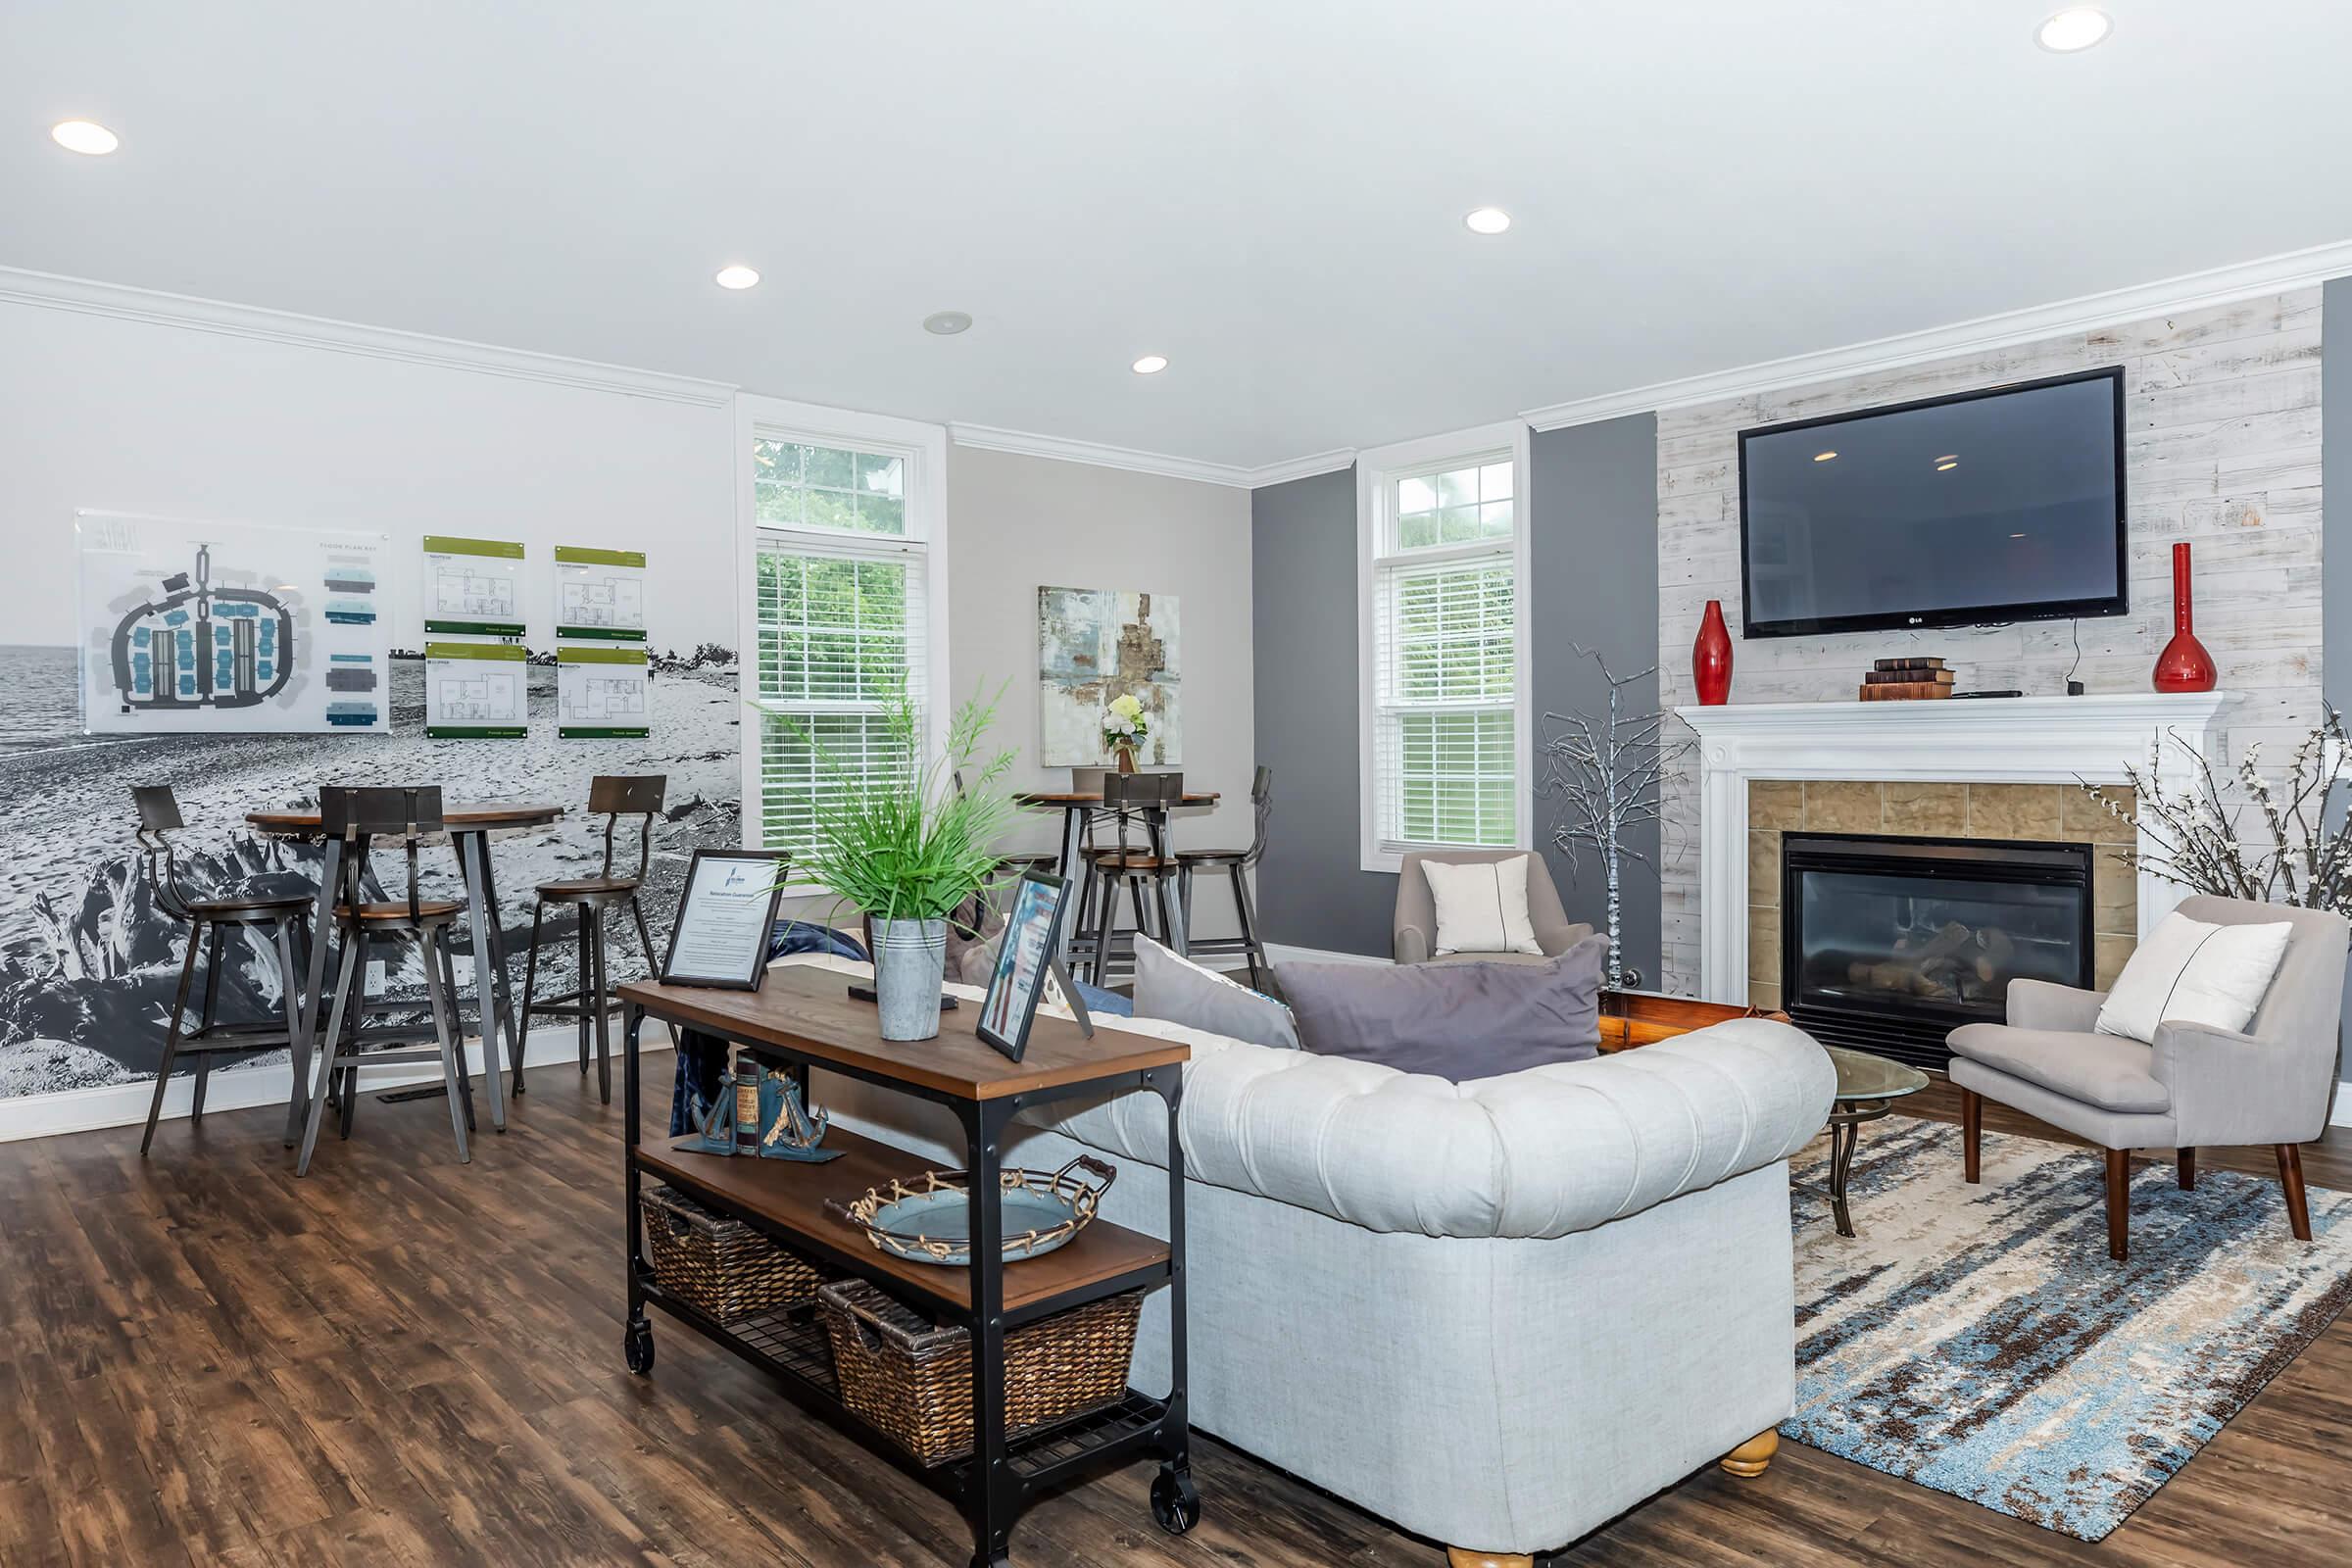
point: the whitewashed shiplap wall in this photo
(2222, 414)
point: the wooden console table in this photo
(803, 1017)
(1631, 1019)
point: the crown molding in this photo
(1063, 449)
(2221, 285)
(1305, 467)
(154, 308)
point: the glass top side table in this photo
(1867, 1088)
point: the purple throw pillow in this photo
(1453, 1020)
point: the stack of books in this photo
(1902, 680)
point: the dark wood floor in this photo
(401, 1360)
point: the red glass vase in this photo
(1711, 658)
(2184, 665)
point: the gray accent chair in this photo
(2194, 1087)
(1414, 932)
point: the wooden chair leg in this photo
(2291, 1177)
(179, 1010)
(1749, 1460)
(2119, 1205)
(1972, 1136)
(2186, 1163)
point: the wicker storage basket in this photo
(913, 1380)
(720, 1264)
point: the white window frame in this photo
(1377, 469)
(923, 448)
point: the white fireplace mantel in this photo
(2022, 740)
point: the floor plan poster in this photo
(229, 627)
(477, 691)
(472, 587)
(599, 693)
(600, 594)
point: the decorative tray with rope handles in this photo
(928, 1219)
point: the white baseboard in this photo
(2342, 1116)
(80, 1110)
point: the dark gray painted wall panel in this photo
(1312, 889)
(1594, 581)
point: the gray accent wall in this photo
(1593, 582)
(1312, 891)
(1592, 511)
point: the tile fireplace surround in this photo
(1873, 751)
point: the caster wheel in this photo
(1175, 1500)
(637, 1346)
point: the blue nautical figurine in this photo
(793, 1130)
(733, 1115)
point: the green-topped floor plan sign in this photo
(472, 587)
(599, 693)
(477, 691)
(600, 594)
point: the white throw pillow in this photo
(1482, 907)
(2189, 972)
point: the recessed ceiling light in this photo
(84, 136)
(947, 324)
(737, 277)
(1942, 467)
(2072, 30)
(1152, 364)
(1487, 220)
(1823, 456)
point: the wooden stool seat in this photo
(579, 889)
(428, 912)
(1138, 860)
(255, 910)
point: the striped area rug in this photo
(1978, 1340)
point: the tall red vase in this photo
(2184, 665)
(1711, 658)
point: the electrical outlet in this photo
(376, 977)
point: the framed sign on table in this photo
(1030, 950)
(726, 916)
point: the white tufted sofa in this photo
(1497, 1313)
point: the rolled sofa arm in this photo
(1411, 945)
(1542, 1152)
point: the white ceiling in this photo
(1271, 193)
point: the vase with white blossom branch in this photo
(1609, 777)
(2297, 850)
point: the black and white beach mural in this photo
(88, 966)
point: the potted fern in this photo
(908, 844)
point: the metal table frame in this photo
(996, 1485)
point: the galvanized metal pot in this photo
(911, 963)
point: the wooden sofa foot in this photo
(1749, 1458)
(1464, 1557)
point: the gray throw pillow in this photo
(1453, 1020)
(1173, 988)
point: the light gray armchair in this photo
(2194, 1087)
(1414, 931)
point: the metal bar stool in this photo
(356, 816)
(207, 920)
(1237, 865)
(1134, 868)
(613, 796)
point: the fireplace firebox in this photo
(1889, 943)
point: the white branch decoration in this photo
(1607, 774)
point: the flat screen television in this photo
(1964, 511)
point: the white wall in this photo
(130, 415)
(1022, 522)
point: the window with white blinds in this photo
(842, 619)
(1443, 622)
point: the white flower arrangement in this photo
(1124, 726)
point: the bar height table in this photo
(1075, 807)
(802, 1017)
(469, 828)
